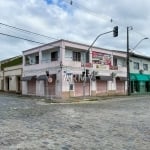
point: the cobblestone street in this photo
(117, 124)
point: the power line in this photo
(79, 6)
(91, 12)
(20, 38)
(27, 31)
(27, 39)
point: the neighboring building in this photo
(58, 69)
(10, 75)
(1, 80)
(139, 74)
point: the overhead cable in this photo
(21, 38)
(27, 31)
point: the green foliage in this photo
(13, 62)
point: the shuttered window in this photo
(76, 56)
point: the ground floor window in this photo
(147, 86)
(140, 86)
(135, 86)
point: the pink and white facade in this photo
(58, 69)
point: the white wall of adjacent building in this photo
(12, 76)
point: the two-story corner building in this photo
(139, 73)
(59, 69)
(1, 79)
(10, 74)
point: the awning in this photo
(142, 77)
(122, 78)
(149, 77)
(104, 78)
(42, 77)
(133, 77)
(27, 78)
(139, 77)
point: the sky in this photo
(75, 20)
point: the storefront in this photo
(31, 84)
(101, 84)
(120, 85)
(140, 83)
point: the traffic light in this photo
(47, 73)
(115, 31)
(83, 73)
(87, 72)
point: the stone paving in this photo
(116, 124)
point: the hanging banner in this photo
(88, 65)
(101, 58)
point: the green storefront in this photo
(140, 83)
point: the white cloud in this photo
(82, 22)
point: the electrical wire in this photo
(79, 6)
(4, 34)
(21, 38)
(70, 2)
(29, 40)
(27, 31)
(114, 21)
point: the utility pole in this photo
(128, 59)
(128, 62)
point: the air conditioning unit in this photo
(141, 71)
(95, 73)
(113, 74)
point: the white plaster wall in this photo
(11, 73)
(126, 86)
(1, 78)
(111, 85)
(141, 61)
(37, 88)
(12, 83)
(58, 87)
(1, 86)
(93, 85)
(24, 87)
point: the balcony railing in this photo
(72, 63)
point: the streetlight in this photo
(128, 60)
(146, 38)
(87, 54)
(115, 34)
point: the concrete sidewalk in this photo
(75, 99)
(94, 98)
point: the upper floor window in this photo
(46, 55)
(37, 59)
(145, 66)
(54, 56)
(115, 62)
(76, 56)
(32, 59)
(136, 65)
